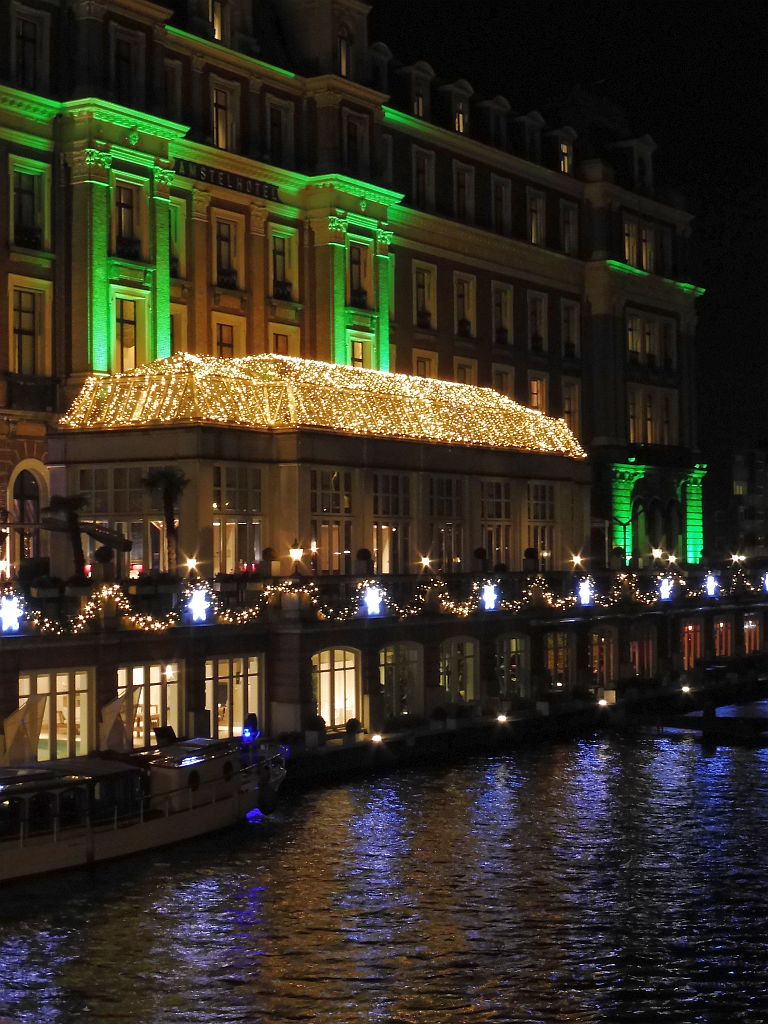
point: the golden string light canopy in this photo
(279, 392)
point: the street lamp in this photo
(296, 551)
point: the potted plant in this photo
(170, 482)
(353, 730)
(314, 733)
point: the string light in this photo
(281, 392)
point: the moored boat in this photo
(77, 812)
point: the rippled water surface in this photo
(602, 881)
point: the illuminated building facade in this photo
(233, 180)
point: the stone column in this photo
(162, 179)
(624, 478)
(258, 283)
(694, 521)
(199, 261)
(91, 319)
(380, 358)
(330, 233)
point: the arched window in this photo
(345, 52)
(26, 514)
(401, 678)
(458, 668)
(335, 675)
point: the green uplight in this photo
(626, 268)
(694, 515)
(208, 45)
(625, 477)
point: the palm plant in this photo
(69, 507)
(170, 483)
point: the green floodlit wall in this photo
(625, 476)
(99, 320)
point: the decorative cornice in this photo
(24, 104)
(134, 121)
(356, 187)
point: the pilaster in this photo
(162, 180)
(383, 271)
(258, 261)
(199, 327)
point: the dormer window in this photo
(217, 16)
(459, 118)
(418, 103)
(566, 157)
(345, 53)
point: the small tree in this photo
(69, 506)
(170, 483)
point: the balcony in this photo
(27, 237)
(358, 297)
(32, 393)
(128, 248)
(570, 351)
(227, 278)
(424, 319)
(282, 290)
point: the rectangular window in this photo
(566, 157)
(173, 106)
(66, 726)
(225, 340)
(460, 118)
(127, 240)
(501, 205)
(281, 287)
(537, 392)
(536, 218)
(418, 103)
(648, 248)
(424, 364)
(630, 242)
(572, 404)
(423, 169)
(668, 345)
(570, 328)
(464, 193)
(541, 521)
(634, 340)
(651, 342)
(632, 416)
(502, 314)
(424, 308)
(27, 40)
(125, 334)
(495, 499)
(280, 344)
(234, 689)
(25, 331)
(503, 380)
(223, 119)
(569, 228)
(465, 371)
(648, 419)
(358, 275)
(216, 16)
(464, 305)
(27, 210)
(177, 237)
(226, 270)
(124, 72)
(537, 322)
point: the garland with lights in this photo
(199, 604)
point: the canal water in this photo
(598, 881)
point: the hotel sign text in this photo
(214, 176)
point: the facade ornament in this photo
(89, 9)
(133, 135)
(337, 225)
(89, 165)
(257, 218)
(201, 202)
(384, 237)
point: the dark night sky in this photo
(692, 75)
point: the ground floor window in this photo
(233, 690)
(557, 658)
(723, 639)
(691, 645)
(391, 547)
(500, 544)
(66, 719)
(458, 669)
(447, 548)
(332, 546)
(154, 698)
(642, 652)
(602, 657)
(401, 679)
(236, 545)
(752, 634)
(512, 666)
(335, 676)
